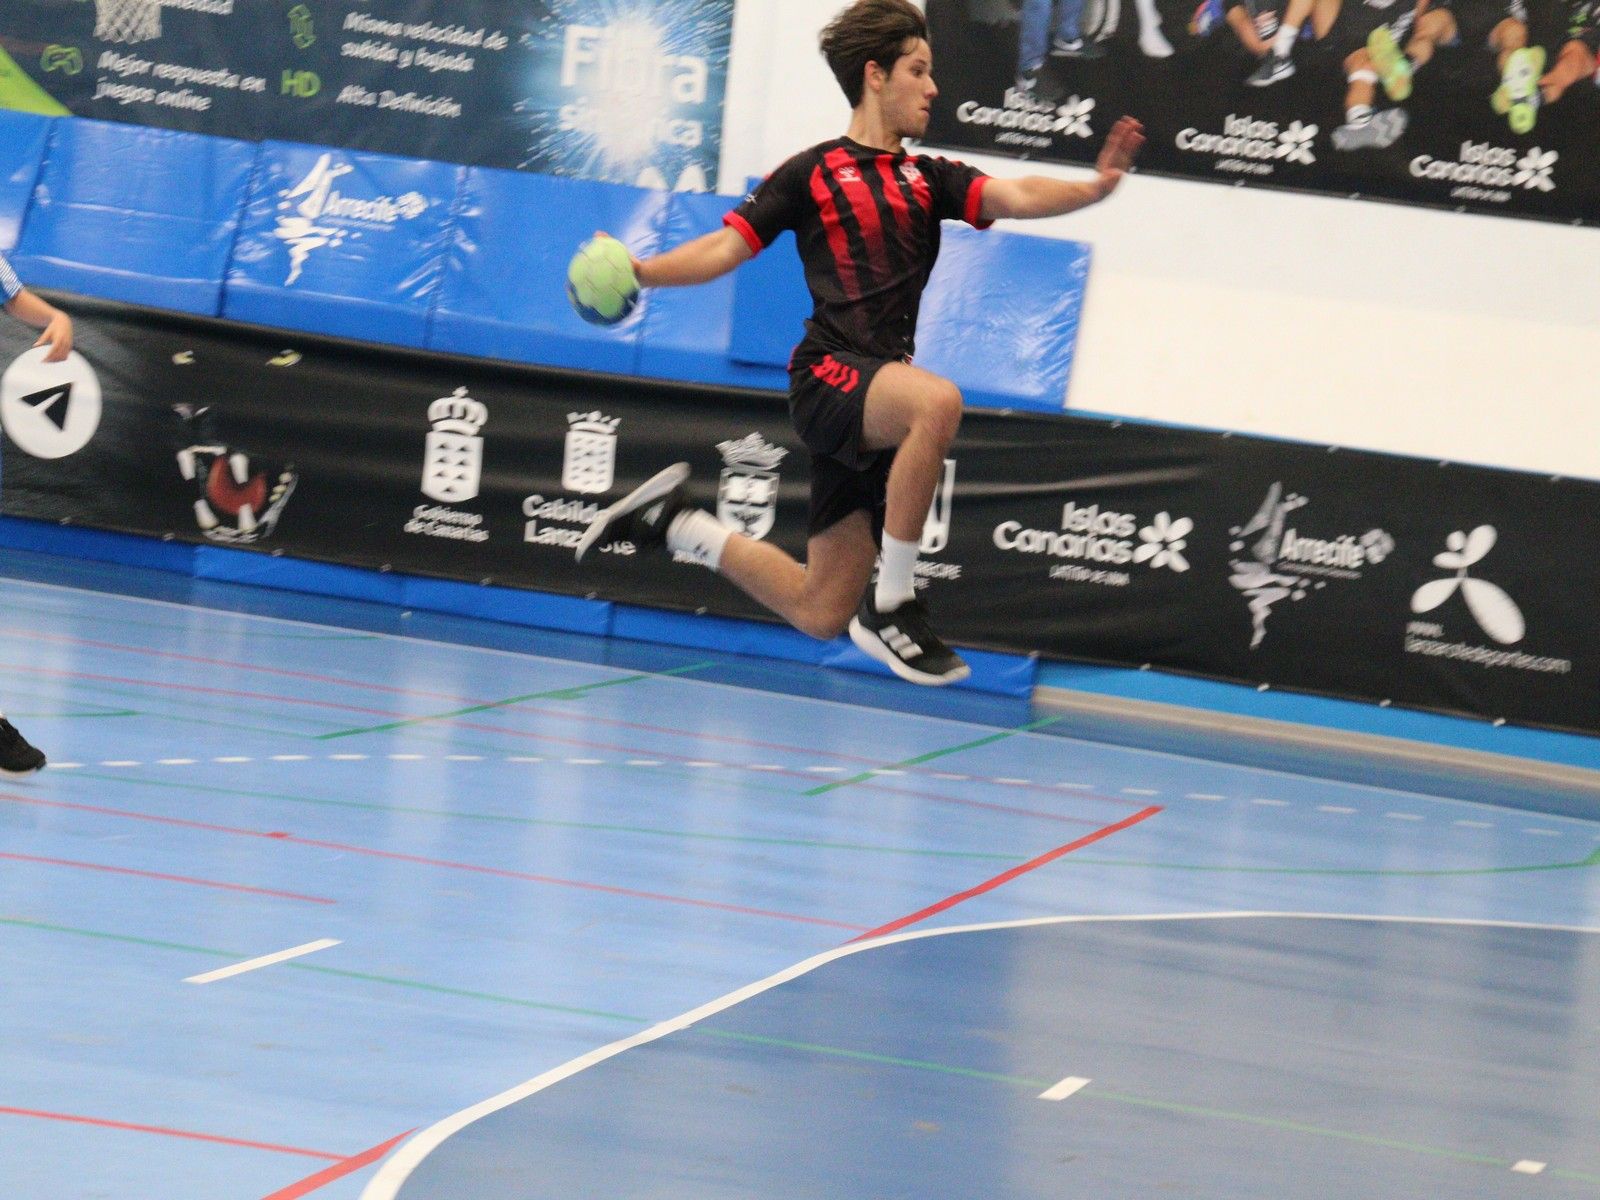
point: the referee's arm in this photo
(32, 309)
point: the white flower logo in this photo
(1164, 540)
(1294, 143)
(1534, 170)
(1496, 612)
(1072, 117)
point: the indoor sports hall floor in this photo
(509, 862)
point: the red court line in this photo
(164, 1132)
(203, 691)
(338, 1171)
(1007, 876)
(339, 681)
(209, 883)
(370, 852)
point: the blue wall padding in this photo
(542, 610)
(343, 243)
(97, 545)
(505, 278)
(686, 331)
(770, 306)
(296, 575)
(146, 216)
(707, 632)
(23, 138)
(1000, 316)
(1007, 674)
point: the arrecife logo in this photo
(324, 216)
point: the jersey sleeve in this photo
(10, 285)
(778, 203)
(957, 190)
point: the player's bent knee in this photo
(940, 411)
(825, 619)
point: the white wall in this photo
(1417, 331)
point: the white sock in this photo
(897, 579)
(1358, 114)
(1283, 42)
(699, 535)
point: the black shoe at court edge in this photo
(903, 641)
(642, 516)
(17, 757)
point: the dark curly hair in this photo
(869, 31)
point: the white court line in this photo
(1269, 802)
(266, 960)
(409, 1155)
(1069, 1085)
(1335, 808)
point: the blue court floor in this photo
(321, 899)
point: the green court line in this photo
(366, 977)
(1277, 1123)
(67, 716)
(933, 754)
(571, 693)
(916, 1064)
(500, 818)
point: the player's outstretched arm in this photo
(1041, 196)
(704, 259)
(31, 309)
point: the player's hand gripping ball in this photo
(601, 283)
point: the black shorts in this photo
(827, 397)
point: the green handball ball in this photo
(601, 283)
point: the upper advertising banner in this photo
(1489, 106)
(621, 91)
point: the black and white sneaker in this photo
(1274, 68)
(642, 516)
(17, 757)
(903, 641)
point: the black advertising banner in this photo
(622, 91)
(1439, 586)
(1478, 105)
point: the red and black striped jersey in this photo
(866, 223)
